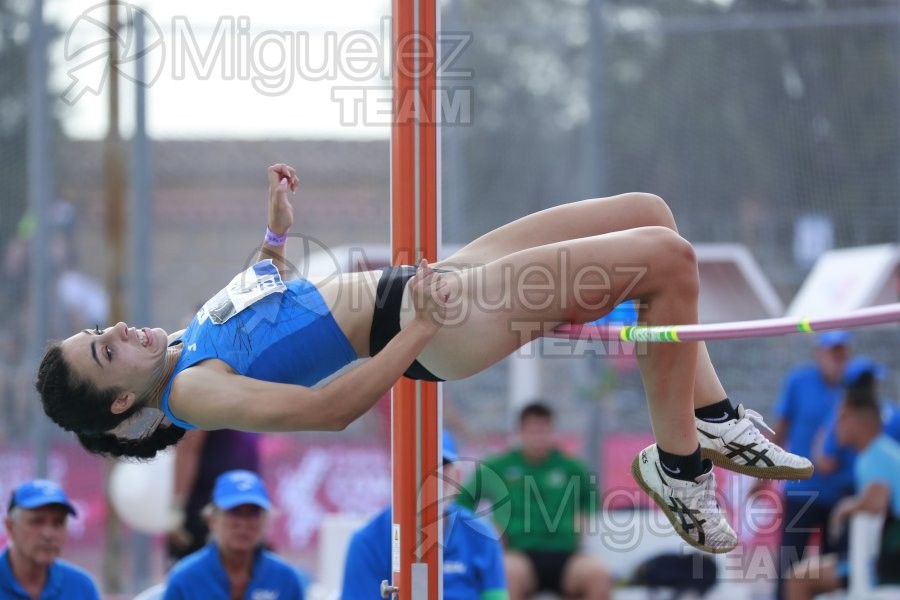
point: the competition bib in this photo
(247, 288)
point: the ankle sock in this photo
(717, 413)
(679, 466)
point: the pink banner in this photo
(308, 480)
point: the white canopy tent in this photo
(849, 279)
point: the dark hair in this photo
(146, 447)
(862, 398)
(535, 409)
(78, 406)
(862, 384)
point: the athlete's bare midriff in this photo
(351, 299)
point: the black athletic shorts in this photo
(386, 319)
(548, 568)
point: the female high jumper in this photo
(250, 357)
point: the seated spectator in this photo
(547, 498)
(877, 473)
(30, 568)
(234, 564)
(473, 558)
(890, 411)
(200, 458)
(809, 397)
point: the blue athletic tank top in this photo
(288, 336)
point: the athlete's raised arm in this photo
(280, 215)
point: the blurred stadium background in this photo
(772, 125)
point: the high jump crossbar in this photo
(416, 418)
(875, 315)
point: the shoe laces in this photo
(706, 499)
(756, 420)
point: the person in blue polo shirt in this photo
(809, 397)
(877, 475)
(833, 457)
(473, 557)
(234, 564)
(30, 567)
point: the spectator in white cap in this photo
(234, 563)
(30, 567)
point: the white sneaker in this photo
(690, 505)
(737, 445)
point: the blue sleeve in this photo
(74, 581)
(290, 582)
(830, 446)
(892, 421)
(785, 407)
(365, 566)
(174, 590)
(494, 576)
(89, 589)
(296, 585)
(271, 571)
(869, 469)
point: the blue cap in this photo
(859, 366)
(40, 492)
(448, 450)
(830, 339)
(234, 488)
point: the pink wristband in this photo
(273, 239)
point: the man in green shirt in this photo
(540, 500)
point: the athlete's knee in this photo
(675, 258)
(654, 209)
(670, 246)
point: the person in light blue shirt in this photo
(877, 475)
(234, 564)
(473, 556)
(809, 397)
(30, 567)
(838, 460)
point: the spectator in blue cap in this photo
(862, 375)
(473, 556)
(809, 398)
(877, 478)
(234, 563)
(30, 567)
(862, 370)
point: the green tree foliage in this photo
(744, 115)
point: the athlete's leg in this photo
(586, 218)
(518, 298)
(503, 309)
